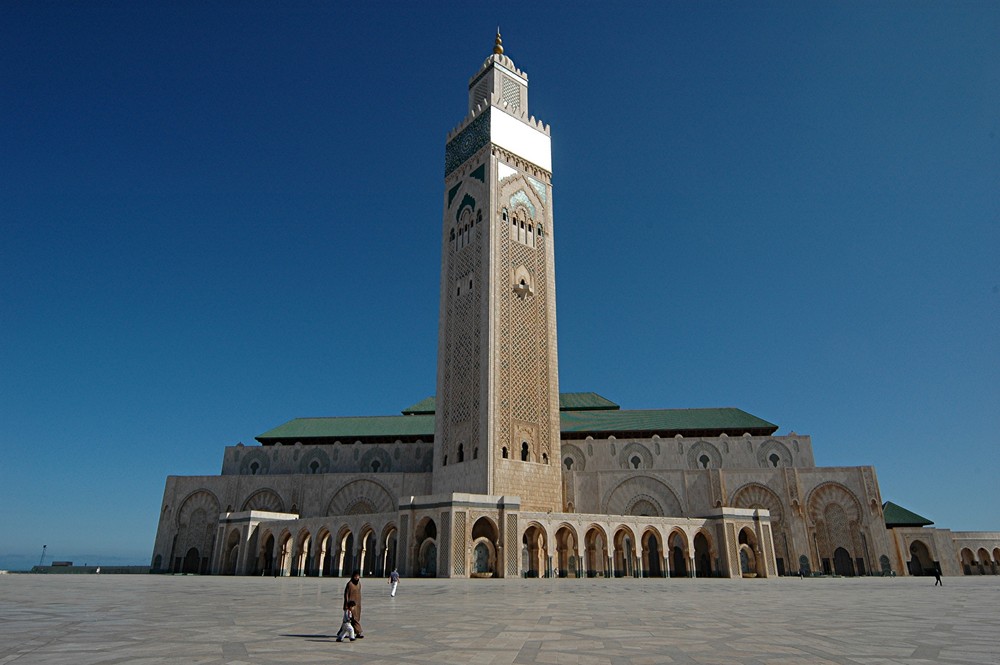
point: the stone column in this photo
(691, 569)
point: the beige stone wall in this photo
(816, 511)
(191, 505)
(346, 457)
(740, 452)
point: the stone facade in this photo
(506, 482)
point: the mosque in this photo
(501, 475)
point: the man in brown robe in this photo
(353, 592)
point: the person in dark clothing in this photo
(352, 592)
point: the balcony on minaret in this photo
(523, 286)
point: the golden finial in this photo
(498, 46)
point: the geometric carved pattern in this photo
(403, 547)
(264, 500)
(197, 520)
(459, 407)
(373, 455)
(522, 333)
(361, 497)
(511, 92)
(511, 549)
(832, 492)
(734, 552)
(768, 556)
(704, 449)
(770, 448)
(572, 452)
(263, 462)
(458, 545)
(647, 491)
(442, 544)
(835, 512)
(635, 452)
(201, 501)
(321, 459)
(755, 495)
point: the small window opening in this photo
(314, 466)
(475, 453)
(503, 214)
(524, 451)
(504, 452)
(774, 459)
(470, 284)
(444, 462)
(479, 217)
(568, 462)
(635, 462)
(704, 461)
(376, 465)
(254, 468)
(461, 452)
(545, 458)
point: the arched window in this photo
(524, 451)
(376, 465)
(444, 462)
(314, 466)
(479, 216)
(545, 458)
(568, 462)
(503, 214)
(254, 468)
(504, 452)
(475, 453)
(704, 460)
(461, 452)
(635, 462)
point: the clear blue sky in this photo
(216, 217)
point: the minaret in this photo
(497, 413)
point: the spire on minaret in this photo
(498, 45)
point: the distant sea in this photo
(24, 562)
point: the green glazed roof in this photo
(577, 421)
(349, 429)
(898, 516)
(424, 406)
(666, 422)
(585, 402)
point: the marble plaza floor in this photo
(150, 620)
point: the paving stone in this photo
(155, 620)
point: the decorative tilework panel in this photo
(468, 141)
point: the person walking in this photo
(393, 582)
(352, 601)
(346, 627)
(937, 576)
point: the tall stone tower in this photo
(497, 424)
